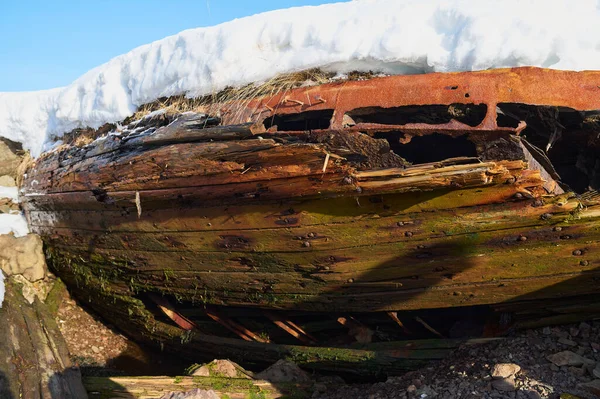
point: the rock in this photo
(566, 358)
(95, 349)
(566, 341)
(202, 371)
(596, 371)
(320, 387)
(193, 394)
(8, 206)
(592, 387)
(411, 388)
(224, 368)
(577, 371)
(284, 371)
(10, 158)
(546, 331)
(7, 181)
(504, 384)
(531, 394)
(23, 255)
(30, 290)
(505, 370)
(425, 392)
(574, 331)
(221, 368)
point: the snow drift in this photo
(391, 36)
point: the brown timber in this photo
(271, 211)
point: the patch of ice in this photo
(389, 36)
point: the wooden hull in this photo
(257, 223)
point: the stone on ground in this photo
(193, 394)
(505, 370)
(221, 368)
(10, 157)
(7, 181)
(23, 255)
(284, 371)
(566, 358)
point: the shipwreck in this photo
(328, 223)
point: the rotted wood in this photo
(189, 128)
(34, 360)
(152, 387)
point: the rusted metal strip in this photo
(394, 316)
(234, 327)
(291, 328)
(526, 85)
(169, 311)
(428, 327)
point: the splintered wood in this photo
(314, 206)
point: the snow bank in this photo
(13, 223)
(392, 36)
(9, 192)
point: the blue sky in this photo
(46, 44)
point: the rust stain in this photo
(527, 85)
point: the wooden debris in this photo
(34, 359)
(155, 387)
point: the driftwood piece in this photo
(34, 361)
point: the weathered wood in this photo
(184, 131)
(34, 361)
(155, 387)
(326, 220)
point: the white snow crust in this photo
(390, 36)
(9, 192)
(13, 223)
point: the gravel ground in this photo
(542, 363)
(525, 365)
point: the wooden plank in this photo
(354, 232)
(155, 387)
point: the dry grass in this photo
(210, 104)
